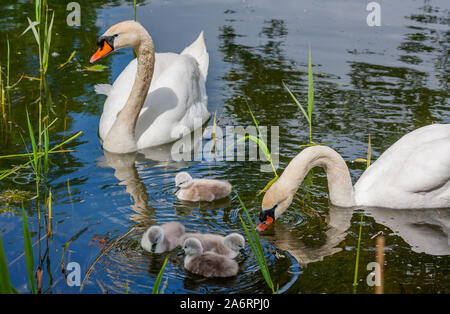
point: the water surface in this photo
(384, 81)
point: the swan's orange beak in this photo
(101, 52)
(264, 224)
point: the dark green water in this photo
(384, 81)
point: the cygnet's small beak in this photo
(181, 253)
(153, 247)
(242, 251)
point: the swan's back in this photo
(413, 173)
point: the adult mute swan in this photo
(158, 98)
(413, 173)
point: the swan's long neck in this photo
(121, 138)
(339, 182)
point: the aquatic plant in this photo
(255, 244)
(43, 42)
(355, 278)
(309, 112)
(28, 251)
(262, 146)
(4, 88)
(6, 286)
(37, 154)
(156, 289)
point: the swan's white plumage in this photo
(412, 173)
(176, 99)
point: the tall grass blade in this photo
(310, 88)
(355, 279)
(50, 200)
(32, 26)
(297, 102)
(268, 185)
(256, 245)
(158, 279)
(47, 41)
(28, 251)
(33, 142)
(68, 60)
(7, 64)
(5, 282)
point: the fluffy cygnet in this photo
(207, 264)
(229, 246)
(159, 239)
(200, 189)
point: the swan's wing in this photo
(427, 170)
(413, 172)
(176, 103)
(198, 51)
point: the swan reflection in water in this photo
(425, 231)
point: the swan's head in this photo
(235, 242)
(151, 238)
(124, 34)
(191, 247)
(183, 180)
(275, 202)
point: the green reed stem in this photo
(6, 286)
(159, 278)
(28, 251)
(355, 279)
(7, 63)
(255, 244)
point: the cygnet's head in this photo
(235, 242)
(183, 180)
(152, 237)
(192, 247)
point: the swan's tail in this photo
(198, 50)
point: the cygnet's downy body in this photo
(159, 239)
(207, 264)
(195, 190)
(229, 246)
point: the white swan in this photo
(158, 97)
(413, 173)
